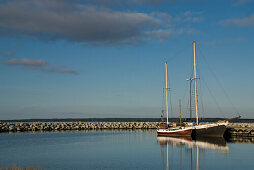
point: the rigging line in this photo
(170, 95)
(184, 94)
(163, 104)
(200, 92)
(201, 99)
(187, 108)
(175, 55)
(163, 94)
(185, 91)
(220, 84)
(210, 92)
(191, 65)
(170, 100)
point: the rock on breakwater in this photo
(240, 129)
(58, 126)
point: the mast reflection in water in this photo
(172, 149)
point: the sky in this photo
(105, 58)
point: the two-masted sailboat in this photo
(172, 130)
(215, 129)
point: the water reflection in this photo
(243, 140)
(15, 167)
(191, 148)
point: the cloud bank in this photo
(241, 2)
(39, 65)
(79, 21)
(241, 22)
(25, 62)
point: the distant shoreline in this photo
(121, 120)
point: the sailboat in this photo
(216, 129)
(166, 129)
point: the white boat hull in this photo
(175, 132)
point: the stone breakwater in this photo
(240, 129)
(233, 129)
(59, 126)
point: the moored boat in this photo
(172, 130)
(215, 129)
(177, 131)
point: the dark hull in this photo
(176, 134)
(219, 141)
(217, 131)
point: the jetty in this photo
(60, 126)
(240, 129)
(233, 129)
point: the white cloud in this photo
(190, 16)
(161, 34)
(241, 2)
(39, 65)
(26, 62)
(241, 22)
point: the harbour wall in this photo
(233, 129)
(240, 130)
(58, 126)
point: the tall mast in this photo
(190, 98)
(195, 78)
(180, 112)
(190, 79)
(166, 74)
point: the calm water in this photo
(120, 150)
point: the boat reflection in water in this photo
(192, 147)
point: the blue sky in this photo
(98, 58)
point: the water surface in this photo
(120, 150)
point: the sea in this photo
(122, 149)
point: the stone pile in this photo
(241, 129)
(58, 126)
